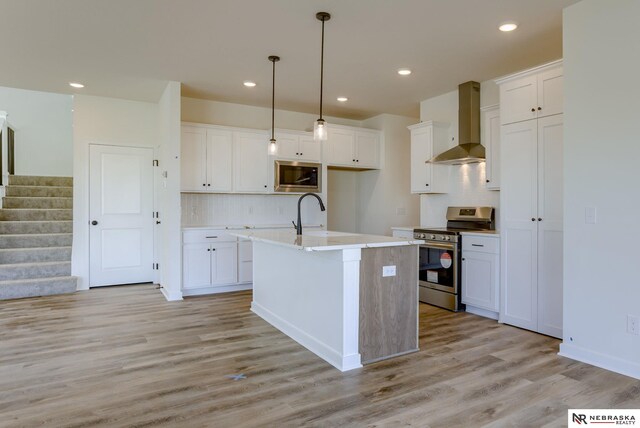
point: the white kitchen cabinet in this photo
(250, 162)
(214, 261)
(531, 217)
(206, 159)
(427, 139)
(481, 273)
(353, 148)
(298, 146)
(491, 141)
(531, 94)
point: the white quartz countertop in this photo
(322, 240)
(249, 226)
(495, 233)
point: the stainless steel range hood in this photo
(469, 149)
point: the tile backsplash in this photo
(237, 209)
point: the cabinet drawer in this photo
(481, 244)
(206, 235)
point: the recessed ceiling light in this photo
(508, 26)
(404, 72)
(76, 85)
(343, 99)
(249, 84)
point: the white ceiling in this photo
(130, 48)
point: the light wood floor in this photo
(123, 356)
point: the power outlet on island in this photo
(632, 325)
(388, 271)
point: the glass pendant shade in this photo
(273, 147)
(320, 130)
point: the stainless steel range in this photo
(440, 255)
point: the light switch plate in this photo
(590, 215)
(388, 270)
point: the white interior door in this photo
(121, 215)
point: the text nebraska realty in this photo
(605, 419)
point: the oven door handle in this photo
(439, 245)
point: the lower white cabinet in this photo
(480, 274)
(214, 261)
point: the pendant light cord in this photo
(273, 101)
(321, 67)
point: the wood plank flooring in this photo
(124, 357)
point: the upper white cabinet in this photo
(251, 162)
(206, 160)
(491, 141)
(353, 148)
(298, 146)
(428, 138)
(531, 94)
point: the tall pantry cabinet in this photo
(531, 199)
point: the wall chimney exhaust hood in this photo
(469, 149)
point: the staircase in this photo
(35, 237)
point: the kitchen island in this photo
(351, 299)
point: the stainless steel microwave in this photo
(292, 176)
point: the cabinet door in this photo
(491, 141)
(310, 150)
(480, 280)
(519, 236)
(550, 92)
(341, 147)
(193, 159)
(367, 149)
(421, 150)
(224, 263)
(518, 100)
(219, 160)
(196, 266)
(251, 160)
(550, 202)
(287, 146)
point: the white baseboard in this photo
(215, 290)
(607, 362)
(330, 355)
(482, 312)
(170, 297)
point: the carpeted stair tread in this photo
(18, 288)
(38, 240)
(34, 270)
(30, 214)
(30, 180)
(38, 226)
(30, 255)
(38, 202)
(39, 191)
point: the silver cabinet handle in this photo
(477, 245)
(211, 236)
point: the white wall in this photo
(42, 122)
(467, 186)
(342, 206)
(384, 197)
(168, 243)
(601, 269)
(110, 121)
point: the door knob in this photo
(533, 219)
(94, 222)
(539, 108)
(539, 219)
(533, 109)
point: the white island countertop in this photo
(323, 240)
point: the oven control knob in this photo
(423, 236)
(447, 238)
(433, 236)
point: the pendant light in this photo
(272, 143)
(320, 126)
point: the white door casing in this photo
(121, 206)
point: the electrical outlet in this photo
(590, 215)
(632, 325)
(388, 270)
(401, 211)
(250, 210)
(280, 210)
